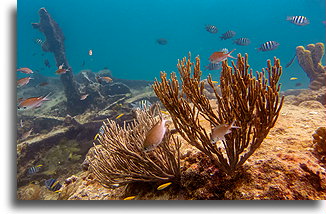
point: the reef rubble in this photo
(283, 168)
(288, 165)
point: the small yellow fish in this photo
(39, 165)
(120, 115)
(268, 138)
(293, 78)
(290, 127)
(58, 191)
(129, 198)
(96, 136)
(214, 82)
(165, 112)
(163, 186)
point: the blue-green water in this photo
(123, 34)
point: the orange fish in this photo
(220, 56)
(61, 70)
(105, 79)
(155, 135)
(219, 131)
(83, 97)
(32, 102)
(25, 70)
(23, 81)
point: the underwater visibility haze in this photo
(99, 116)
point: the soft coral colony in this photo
(249, 103)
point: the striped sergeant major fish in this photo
(213, 66)
(211, 28)
(228, 35)
(38, 41)
(53, 184)
(34, 169)
(268, 46)
(242, 41)
(141, 105)
(298, 20)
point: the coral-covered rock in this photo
(320, 140)
(310, 61)
(297, 96)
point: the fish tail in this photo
(288, 18)
(229, 54)
(231, 51)
(45, 98)
(234, 127)
(291, 62)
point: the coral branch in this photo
(252, 102)
(121, 159)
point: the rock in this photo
(311, 104)
(112, 89)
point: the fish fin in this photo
(45, 98)
(291, 62)
(229, 54)
(228, 131)
(235, 127)
(38, 105)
